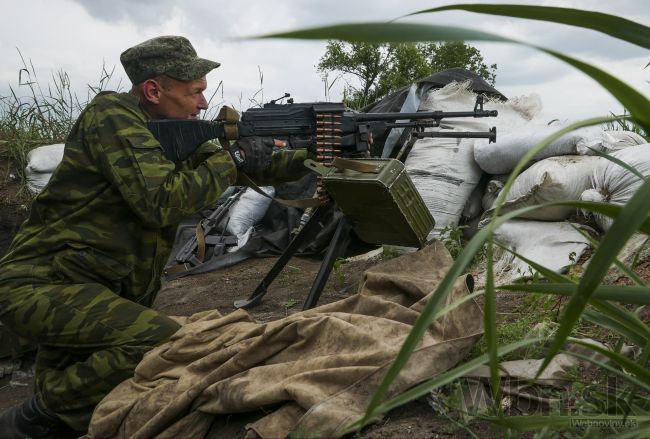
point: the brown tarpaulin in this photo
(314, 372)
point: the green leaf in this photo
(643, 430)
(617, 27)
(610, 210)
(604, 366)
(639, 371)
(628, 220)
(440, 380)
(388, 32)
(636, 103)
(629, 272)
(490, 324)
(537, 422)
(622, 328)
(547, 273)
(431, 309)
(624, 294)
(619, 162)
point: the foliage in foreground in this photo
(589, 299)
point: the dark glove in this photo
(252, 154)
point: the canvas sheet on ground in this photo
(313, 371)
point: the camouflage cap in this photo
(170, 55)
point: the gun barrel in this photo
(491, 134)
(437, 115)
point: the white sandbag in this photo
(443, 170)
(612, 183)
(492, 191)
(623, 139)
(503, 155)
(513, 113)
(552, 179)
(45, 159)
(445, 174)
(555, 245)
(249, 210)
(41, 162)
(473, 206)
(36, 181)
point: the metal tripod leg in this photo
(308, 232)
(337, 247)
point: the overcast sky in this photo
(80, 36)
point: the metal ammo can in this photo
(379, 199)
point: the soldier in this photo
(81, 274)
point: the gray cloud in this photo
(87, 32)
(142, 12)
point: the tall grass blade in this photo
(490, 324)
(643, 430)
(617, 27)
(537, 422)
(620, 265)
(546, 272)
(623, 294)
(623, 328)
(636, 103)
(605, 366)
(431, 309)
(440, 380)
(619, 162)
(637, 370)
(629, 219)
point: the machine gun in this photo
(330, 128)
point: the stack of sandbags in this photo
(443, 169)
(555, 245)
(612, 183)
(445, 174)
(502, 156)
(41, 163)
(553, 179)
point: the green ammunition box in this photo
(379, 199)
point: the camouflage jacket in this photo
(111, 208)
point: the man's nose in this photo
(203, 103)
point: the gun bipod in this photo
(337, 246)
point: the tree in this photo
(382, 68)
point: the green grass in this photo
(33, 114)
(289, 274)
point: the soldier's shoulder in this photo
(108, 100)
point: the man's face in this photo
(182, 99)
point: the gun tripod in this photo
(337, 247)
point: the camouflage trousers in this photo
(89, 340)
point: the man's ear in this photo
(151, 91)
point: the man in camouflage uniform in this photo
(82, 272)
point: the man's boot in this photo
(29, 420)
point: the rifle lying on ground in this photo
(331, 128)
(193, 253)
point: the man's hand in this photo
(252, 154)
